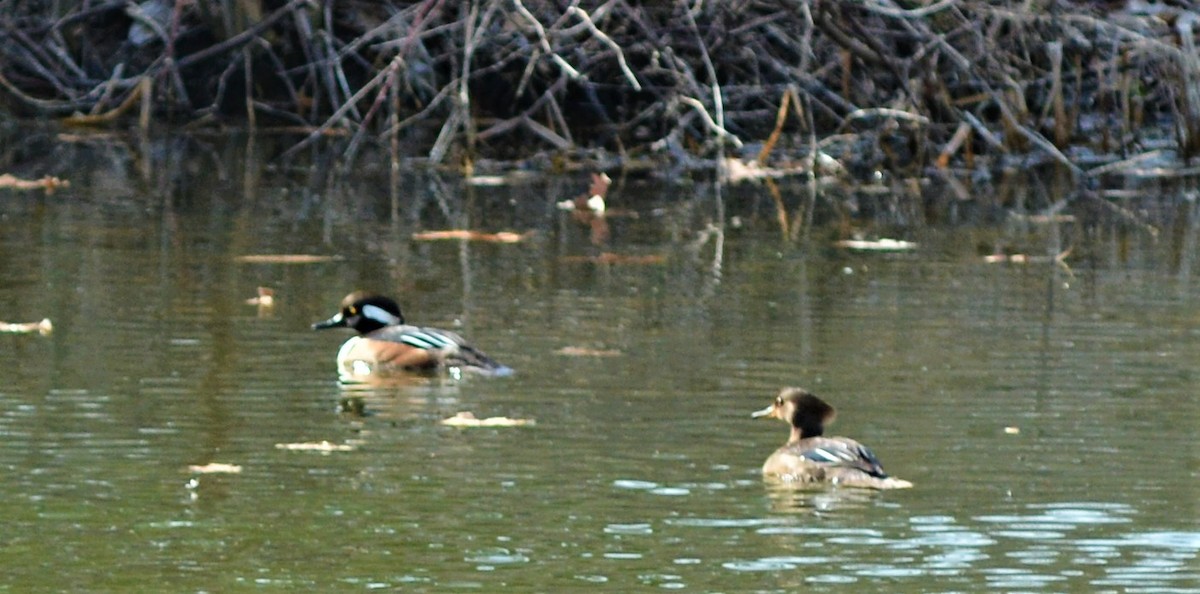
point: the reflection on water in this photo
(1046, 415)
(939, 546)
(816, 498)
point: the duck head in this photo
(364, 313)
(806, 413)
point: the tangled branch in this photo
(508, 77)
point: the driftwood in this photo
(47, 184)
(914, 84)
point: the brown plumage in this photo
(811, 457)
(589, 209)
(386, 344)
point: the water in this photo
(1046, 415)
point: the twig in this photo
(878, 7)
(240, 38)
(780, 118)
(544, 42)
(718, 125)
(587, 20)
(709, 122)
(112, 114)
(884, 112)
(431, 5)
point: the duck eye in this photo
(353, 310)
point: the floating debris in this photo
(1013, 258)
(1012, 430)
(43, 327)
(487, 180)
(1060, 259)
(877, 245)
(215, 468)
(47, 184)
(468, 235)
(285, 259)
(315, 446)
(468, 419)
(266, 297)
(574, 351)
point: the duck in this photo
(811, 457)
(592, 201)
(589, 209)
(385, 344)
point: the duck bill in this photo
(337, 321)
(767, 412)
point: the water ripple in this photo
(628, 529)
(830, 578)
(1030, 534)
(816, 530)
(671, 491)
(1060, 517)
(1189, 541)
(495, 556)
(723, 522)
(955, 538)
(775, 563)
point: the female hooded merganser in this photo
(385, 343)
(809, 457)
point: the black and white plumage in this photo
(811, 457)
(386, 344)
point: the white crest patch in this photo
(596, 204)
(379, 315)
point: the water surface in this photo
(1046, 414)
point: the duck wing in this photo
(419, 338)
(841, 452)
(443, 346)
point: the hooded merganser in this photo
(385, 343)
(589, 209)
(592, 201)
(809, 457)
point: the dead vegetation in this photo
(875, 83)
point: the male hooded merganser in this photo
(592, 201)
(589, 209)
(385, 343)
(809, 457)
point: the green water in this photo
(1046, 415)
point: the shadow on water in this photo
(1020, 393)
